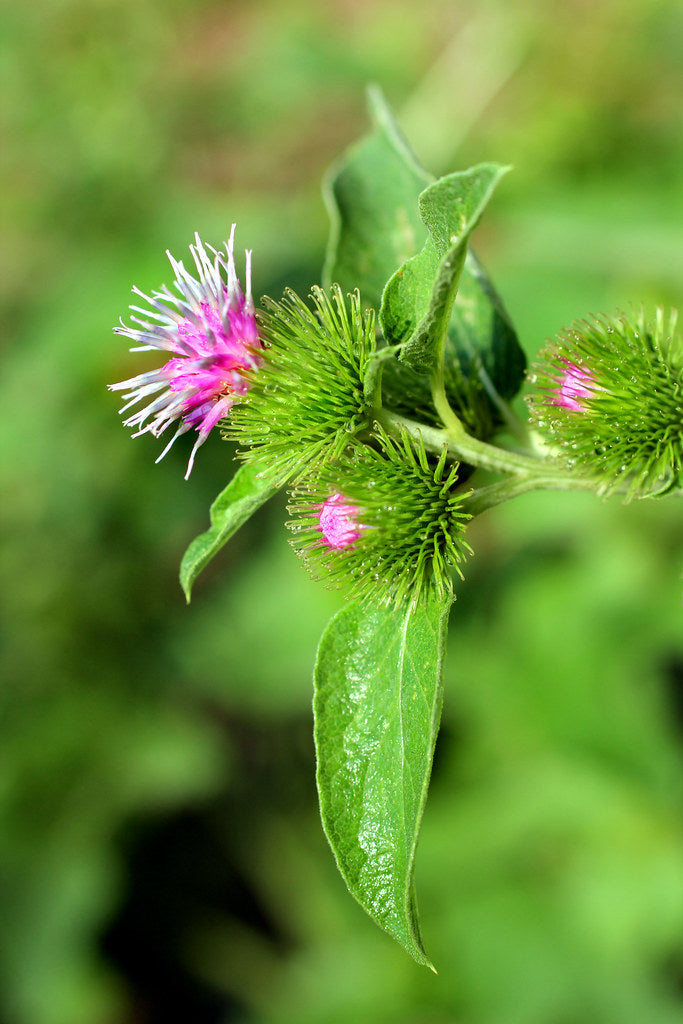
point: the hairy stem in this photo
(442, 405)
(462, 447)
(524, 473)
(483, 498)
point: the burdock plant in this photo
(382, 401)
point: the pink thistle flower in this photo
(573, 385)
(211, 330)
(338, 523)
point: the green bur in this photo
(626, 432)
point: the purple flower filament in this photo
(338, 523)
(210, 328)
(574, 385)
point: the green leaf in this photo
(372, 199)
(481, 339)
(378, 694)
(371, 195)
(418, 299)
(247, 491)
(483, 361)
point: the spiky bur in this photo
(609, 398)
(383, 521)
(210, 328)
(306, 402)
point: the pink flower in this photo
(573, 385)
(338, 524)
(211, 330)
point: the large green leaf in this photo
(378, 693)
(371, 196)
(247, 491)
(418, 299)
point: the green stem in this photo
(483, 498)
(462, 447)
(524, 473)
(372, 383)
(442, 405)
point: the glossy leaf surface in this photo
(371, 195)
(378, 695)
(418, 299)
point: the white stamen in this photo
(230, 264)
(182, 429)
(200, 441)
(247, 280)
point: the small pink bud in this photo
(338, 523)
(573, 385)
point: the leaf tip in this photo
(418, 954)
(186, 584)
(187, 574)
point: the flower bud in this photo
(608, 399)
(338, 523)
(383, 521)
(573, 386)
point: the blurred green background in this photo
(161, 857)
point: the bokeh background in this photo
(161, 857)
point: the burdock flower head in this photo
(210, 328)
(609, 400)
(383, 521)
(307, 401)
